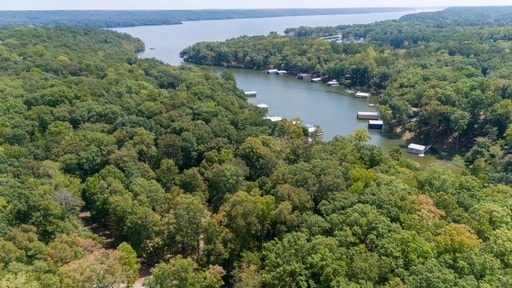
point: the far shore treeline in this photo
(131, 18)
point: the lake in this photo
(165, 42)
(317, 104)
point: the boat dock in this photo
(274, 118)
(262, 106)
(251, 93)
(375, 124)
(418, 149)
(362, 95)
(333, 83)
(368, 115)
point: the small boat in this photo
(348, 91)
(371, 104)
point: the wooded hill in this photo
(179, 172)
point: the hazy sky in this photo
(222, 4)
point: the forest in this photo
(110, 163)
(131, 18)
(455, 76)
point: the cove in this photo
(317, 104)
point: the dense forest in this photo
(474, 16)
(109, 162)
(130, 18)
(456, 75)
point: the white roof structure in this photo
(416, 146)
(311, 128)
(274, 118)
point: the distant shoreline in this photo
(133, 18)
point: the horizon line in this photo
(237, 9)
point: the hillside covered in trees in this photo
(451, 66)
(108, 162)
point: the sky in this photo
(231, 4)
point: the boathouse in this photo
(333, 38)
(362, 95)
(274, 118)
(368, 115)
(416, 149)
(311, 128)
(251, 93)
(375, 124)
(333, 83)
(303, 76)
(262, 106)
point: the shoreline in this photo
(112, 19)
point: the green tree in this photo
(500, 245)
(284, 262)
(185, 225)
(193, 183)
(299, 198)
(129, 263)
(487, 217)
(101, 268)
(361, 224)
(404, 250)
(183, 272)
(168, 173)
(248, 218)
(456, 238)
(260, 155)
(222, 180)
(458, 122)
(431, 274)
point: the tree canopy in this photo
(108, 161)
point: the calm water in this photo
(317, 104)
